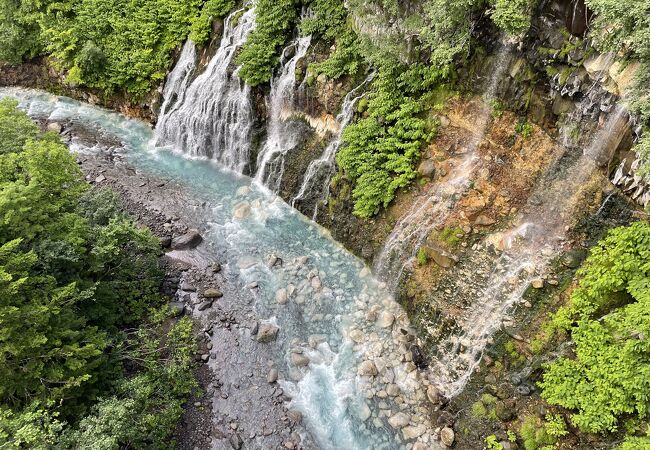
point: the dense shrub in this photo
(74, 272)
(381, 149)
(609, 321)
(261, 53)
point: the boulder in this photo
(299, 360)
(55, 127)
(433, 394)
(413, 432)
(189, 240)
(364, 412)
(267, 332)
(242, 211)
(447, 437)
(100, 178)
(484, 221)
(294, 415)
(367, 368)
(537, 283)
(272, 377)
(386, 319)
(427, 169)
(281, 296)
(212, 293)
(204, 305)
(399, 420)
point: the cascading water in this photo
(527, 249)
(281, 137)
(177, 82)
(430, 209)
(357, 390)
(212, 116)
(315, 186)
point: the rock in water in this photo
(187, 241)
(364, 412)
(267, 333)
(242, 211)
(447, 436)
(299, 360)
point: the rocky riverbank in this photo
(240, 403)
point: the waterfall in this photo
(281, 137)
(211, 116)
(316, 184)
(527, 250)
(430, 209)
(177, 81)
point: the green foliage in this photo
(260, 53)
(479, 411)
(146, 407)
(19, 34)
(635, 443)
(74, 271)
(534, 434)
(329, 21)
(492, 443)
(608, 318)
(449, 236)
(625, 25)
(524, 129)
(381, 149)
(202, 24)
(513, 16)
(421, 256)
(555, 425)
(108, 44)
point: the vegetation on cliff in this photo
(111, 45)
(79, 362)
(607, 380)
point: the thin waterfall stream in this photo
(281, 137)
(315, 186)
